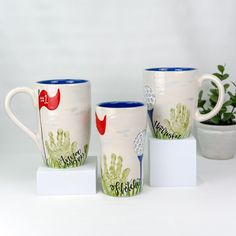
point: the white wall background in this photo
(107, 42)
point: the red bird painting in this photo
(51, 103)
(101, 124)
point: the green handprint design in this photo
(179, 121)
(62, 153)
(114, 178)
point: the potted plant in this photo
(217, 136)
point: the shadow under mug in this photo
(122, 131)
(63, 112)
(171, 95)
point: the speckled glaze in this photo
(63, 109)
(171, 97)
(122, 131)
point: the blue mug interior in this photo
(63, 81)
(170, 69)
(121, 104)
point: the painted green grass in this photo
(113, 174)
(59, 164)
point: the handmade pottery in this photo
(216, 141)
(171, 97)
(122, 130)
(63, 110)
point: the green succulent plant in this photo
(226, 115)
(115, 179)
(62, 153)
(179, 121)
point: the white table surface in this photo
(208, 209)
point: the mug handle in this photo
(203, 117)
(10, 113)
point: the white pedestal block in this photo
(172, 163)
(71, 181)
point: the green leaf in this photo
(227, 103)
(214, 98)
(214, 84)
(212, 103)
(215, 120)
(204, 111)
(221, 68)
(233, 98)
(200, 95)
(223, 109)
(226, 86)
(214, 91)
(233, 83)
(225, 76)
(233, 104)
(227, 116)
(218, 75)
(201, 103)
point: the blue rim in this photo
(170, 69)
(123, 104)
(63, 81)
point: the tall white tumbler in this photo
(122, 131)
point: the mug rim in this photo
(121, 104)
(62, 81)
(170, 69)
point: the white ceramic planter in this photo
(216, 142)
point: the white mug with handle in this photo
(63, 110)
(171, 95)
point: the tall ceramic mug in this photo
(171, 96)
(63, 110)
(122, 131)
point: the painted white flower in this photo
(139, 142)
(149, 96)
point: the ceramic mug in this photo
(63, 110)
(122, 130)
(171, 95)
